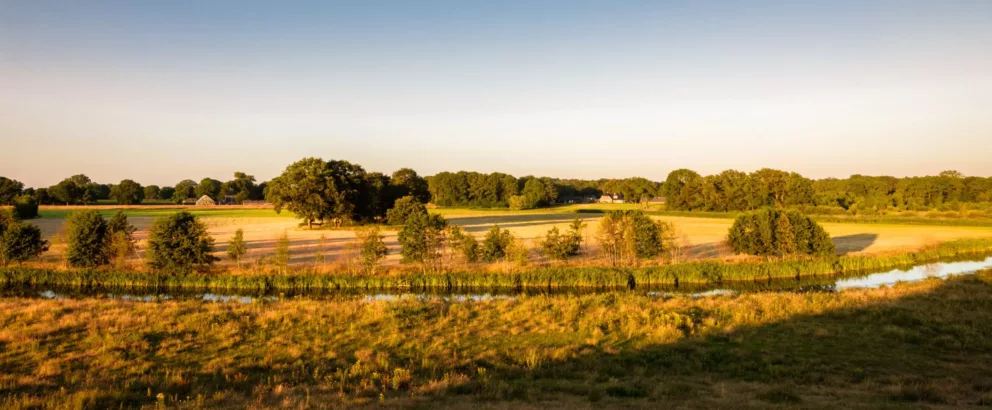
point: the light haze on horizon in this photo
(164, 91)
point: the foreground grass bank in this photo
(922, 344)
(701, 273)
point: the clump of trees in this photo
(179, 244)
(19, 241)
(318, 190)
(93, 241)
(775, 232)
(629, 235)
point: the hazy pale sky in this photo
(159, 91)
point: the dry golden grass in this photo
(924, 344)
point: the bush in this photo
(423, 238)
(630, 235)
(19, 241)
(282, 251)
(372, 247)
(179, 244)
(496, 245)
(775, 232)
(561, 246)
(25, 207)
(465, 243)
(121, 238)
(403, 208)
(88, 236)
(236, 248)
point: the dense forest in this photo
(683, 190)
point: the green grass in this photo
(920, 345)
(303, 281)
(203, 213)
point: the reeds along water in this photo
(702, 272)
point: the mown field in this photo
(703, 233)
(922, 345)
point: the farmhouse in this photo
(189, 201)
(205, 201)
(611, 199)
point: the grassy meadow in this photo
(925, 344)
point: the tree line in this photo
(360, 195)
(733, 190)
(81, 190)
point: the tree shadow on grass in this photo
(854, 243)
(924, 349)
(933, 348)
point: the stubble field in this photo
(704, 236)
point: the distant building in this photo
(205, 201)
(228, 200)
(611, 199)
(189, 201)
(657, 200)
(571, 200)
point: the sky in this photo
(160, 91)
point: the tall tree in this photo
(127, 192)
(9, 190)
(209, 187)
(409, 183)
(184, 190)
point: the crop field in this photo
(703, 236)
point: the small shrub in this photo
(403, 208)
(465, 243)
(372, 247)
(20, 242)
(88, 239)
(281, 258)
(560, 246)
(179, 244)
(318, 257)
(236, 248)
(496, 244)
(122, 243)
(25, 207)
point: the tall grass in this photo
(700, 273)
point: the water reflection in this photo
(814, 284)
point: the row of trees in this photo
(738, 191)
(79, 189)
(683, 189)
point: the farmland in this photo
(704, 235)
